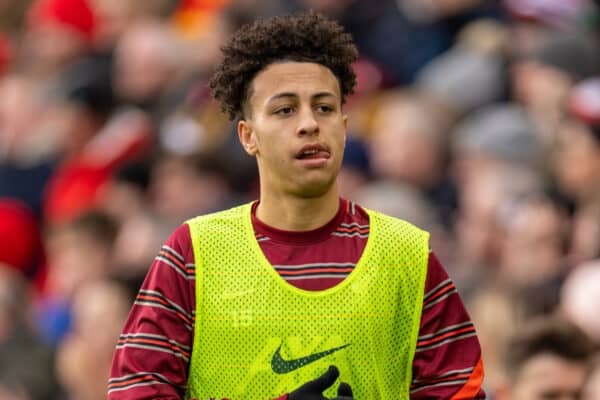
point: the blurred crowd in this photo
(478, 120)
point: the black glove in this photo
(313, 390)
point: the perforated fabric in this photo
(257, 337)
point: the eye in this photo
(324, 108)
(285, 110)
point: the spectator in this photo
(125, 198)
(408, 140)
(408, 144)
(548, 359)
(543, 79)
(534, 242)
(471, 74)
(26, 364)
(26, 153)
(477, 119)
(495, 160)
(579, 141)
(58, 32)
(79, 251)
(201, 177)
(147, 64)
(84, 356)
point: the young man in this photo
(279, 297)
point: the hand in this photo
(313, 390)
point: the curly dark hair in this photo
(305, 37)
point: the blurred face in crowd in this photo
(49, 46)
(546, 376)
(295, 127)
(532, 247)
(493, 312)
(540, 87)
(144, 62)
(84, 357)
(577, 161)
(405, 142)
(18, 111)
(75, 258)
(204, 190)
(476, 227)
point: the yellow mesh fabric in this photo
(258, 337)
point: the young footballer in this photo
(300, 295)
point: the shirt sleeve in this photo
(152, 355)
(447, 363)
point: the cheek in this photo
(273, 149)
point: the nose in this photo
(307, 123)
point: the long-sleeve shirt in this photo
(153, 352)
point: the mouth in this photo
(313, 152)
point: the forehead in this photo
(551, 371)
(299, 78)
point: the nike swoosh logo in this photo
(281, 366)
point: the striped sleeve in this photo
(153, 352)
(447, 363)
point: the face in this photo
(576, 147)
(295, 128)
(541, 87)
(532, 247)
(403, 145)
(142, 62)
(549, 377)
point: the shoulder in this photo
(180, 236)
(231, 213)
(393, 224)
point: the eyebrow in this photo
(295, 96)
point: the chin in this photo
(314, 188)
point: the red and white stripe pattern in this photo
(137, 381)
(152, 356)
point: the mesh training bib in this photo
(258, 337)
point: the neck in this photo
(292, 213)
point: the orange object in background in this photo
(194, 18)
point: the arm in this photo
(447, 363)
(152, 356)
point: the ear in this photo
(247, 137)
(345, 121)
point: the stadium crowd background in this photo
(477, 120)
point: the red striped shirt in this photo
(152, 356)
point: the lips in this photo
(313, 151)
